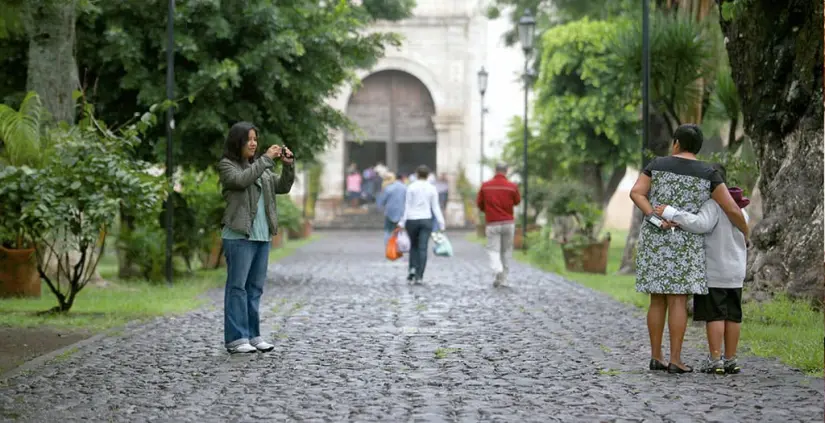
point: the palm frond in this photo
(20, 132)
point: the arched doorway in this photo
(394, 111)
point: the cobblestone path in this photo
(355, 342)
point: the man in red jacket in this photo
(496, 199)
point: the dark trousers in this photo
(419, 232)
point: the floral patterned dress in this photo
(673, 261)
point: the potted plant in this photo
(23, 147)
(289, 220)
(18, 265)
(582, 247)
(83, 187)
(481, 226)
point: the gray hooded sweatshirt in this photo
(725, 251)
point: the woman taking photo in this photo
(670, 263)
(249, 221)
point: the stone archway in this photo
(394, 110)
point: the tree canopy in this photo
(272, 63)
(586, 121)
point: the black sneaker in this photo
(732, 366)
(712, 366)
(411, 276)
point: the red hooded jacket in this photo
(496, 199)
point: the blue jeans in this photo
(419, 232)
(389, 227)
(246, 264)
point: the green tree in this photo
(555, 12)
(274, 64)
(588, 124)
(683, 51)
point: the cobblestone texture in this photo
(355, 342)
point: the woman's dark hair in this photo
(236, 140)
(690, 137)
(423, 172)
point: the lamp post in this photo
(170, 126)
(482, 88)
(526, 34)
(645, 79)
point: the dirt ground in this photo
(19, 345)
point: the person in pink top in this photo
(354, 187)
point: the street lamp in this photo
(645, 80)
(170, 126)
(482, 88)
(526, 34)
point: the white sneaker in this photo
(242, 349)
(500, 280)
(264, 346)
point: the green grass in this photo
(441, 353)
(788, 330)
(100, 308)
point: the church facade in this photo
(420, 104)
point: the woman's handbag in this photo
(392, 251)
(403, 241)
(442, 247)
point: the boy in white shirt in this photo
(726, 259)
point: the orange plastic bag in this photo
(392, 247)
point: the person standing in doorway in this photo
(442, 185)
(420, 206)
(391, 201)
(497, 198)
(354, 187)
(249, 221)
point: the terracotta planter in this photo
(518, 239)
(590, 258)
(18, 273)
(304, 232)
(278, 240)
(215, 259)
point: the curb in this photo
(44, 359)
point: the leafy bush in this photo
(543, 250)
(80, 190)
(201, 191)
(741, 173)
(289, 215)
(574, 200)
(145, 247)
(468, 197)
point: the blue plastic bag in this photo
(442, 247)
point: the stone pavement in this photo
(355, 342)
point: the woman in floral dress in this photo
(670, 263)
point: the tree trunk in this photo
(593, 179)
(778, 74)
(52, 70)
(612, 185)
(126, 267)
(628, 266)
(660, 140)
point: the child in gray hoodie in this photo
(726, 259)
